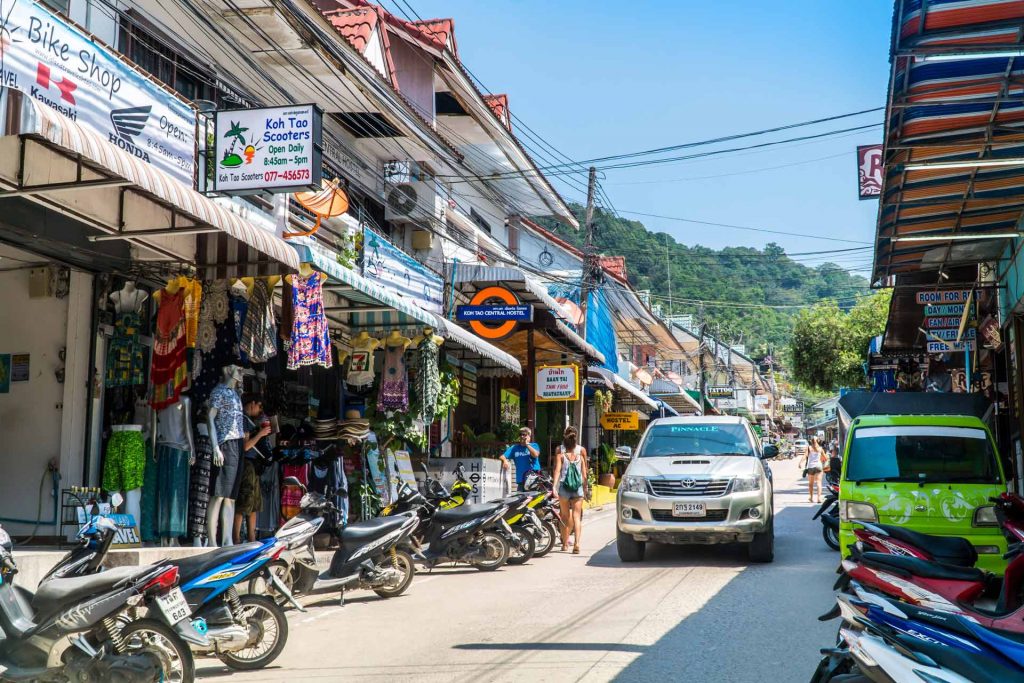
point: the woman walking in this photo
(571, 486)
(813, 466)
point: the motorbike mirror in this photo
(106, 524)
(116, 500)
(293, 481)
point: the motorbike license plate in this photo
(173, 605)
(688, 509)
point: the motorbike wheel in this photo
(272, 626)
(405, 565)
(546, 540)
(259, 585)
(497, 550)
(831, 536)
(523, 546)
(160, 640)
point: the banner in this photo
(390, 266)
(58, 65)
(869, 171)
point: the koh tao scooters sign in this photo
(60, 66)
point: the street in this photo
(699, 613)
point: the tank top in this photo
(566, 462)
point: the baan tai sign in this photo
(60, 66)
(276, 149)
(558, 383)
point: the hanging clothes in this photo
(124, 463)
(169, 373)
(193, 298)
(270, 514)
(172, 491)
(199, 486)
(310, 340)
(215, 343)
(287, 312)
(259, 331)
(239, 303)
(291, 496)
(126, 361)
(394, 381)
(428, 377)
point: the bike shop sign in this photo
(60, 66)
(396, 270)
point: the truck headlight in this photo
(741, 484)
(857, 511)
(634, 484)
(986, 516)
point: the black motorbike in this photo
(466, 533)
(829, 511)
(72, 629)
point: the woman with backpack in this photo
(813, 466)
(571, 486)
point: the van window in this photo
(922, 454)
(696, 439)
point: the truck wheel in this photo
(762, 548)
(630, 549)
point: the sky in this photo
(600, 78)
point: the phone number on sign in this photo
(297, 174)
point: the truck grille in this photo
(674, 488)
(667, 516)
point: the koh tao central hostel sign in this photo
(61, 67)
(276, 149)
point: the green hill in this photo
(750, 280)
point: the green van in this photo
(931, 472)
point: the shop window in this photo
(479, 220)
(61, 6)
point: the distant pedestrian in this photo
(525, 454)
(813, 467)
(571, 486)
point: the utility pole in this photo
(703, 374)
(585, 284)
(668, 276)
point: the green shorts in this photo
(125, 462)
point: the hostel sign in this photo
(557, 383)
(276, 149)
(629, 421)
(61, 67)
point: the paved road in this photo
(687, 613)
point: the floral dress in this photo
(310, 340)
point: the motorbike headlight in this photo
(741, 484)
(986, 516)
(634, 484)
(857, 511)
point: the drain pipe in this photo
(54, 473)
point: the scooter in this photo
(829, 515)
(467, 533)
(884, 640)
(547, 510)
(72, 629)
(369, 554)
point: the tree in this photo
(829, 347)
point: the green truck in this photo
(926, 461)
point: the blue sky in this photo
(599, 78)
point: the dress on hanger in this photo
(193, 297)
(394, 381)
(259, 331)
(199, 486)
(428, 377)
(360, 368)
(239, 302)
(168, 372)
(311, 341)
(215, 343)
(126, 362)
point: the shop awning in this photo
(470, 278)
(670, 393)
(361, 304)
(637, 394)
(88, 163)
(599, 377)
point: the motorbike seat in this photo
(466, 512)
(946, 549)
(56, 594)
(1010, 645)
(190, 568)
(370, 529)
(924, 568)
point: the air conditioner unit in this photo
(413, 202)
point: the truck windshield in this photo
(922, 454)
(696, 439)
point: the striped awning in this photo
(361, 304)
(954, 135)
(58, 131)
(634, 393)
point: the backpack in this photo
(573, 478)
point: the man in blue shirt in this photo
(526, 455)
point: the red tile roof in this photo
(615, 265)
(442, 31)
(356, 25)
(499, 105)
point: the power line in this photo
(742, 227)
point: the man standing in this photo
(526, 455)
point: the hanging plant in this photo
(602, 401)
(450, 392)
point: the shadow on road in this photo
(761, 625)
(552, 647)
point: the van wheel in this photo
(630, 549)
(762, 548)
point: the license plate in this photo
(688, 509)
(173, 605)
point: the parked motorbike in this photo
(71, 629)
(243, 631)
(884, 640)
(547, 510)
(467, 533)
(829, 513)
(369, 554)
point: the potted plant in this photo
(606, 465)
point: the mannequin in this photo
(395, 339)
(363, 341)
(360, 368)
(128, 299)
(175, 454)
(305, 270)
(428, 333)
(393, 393)
(226, 429)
